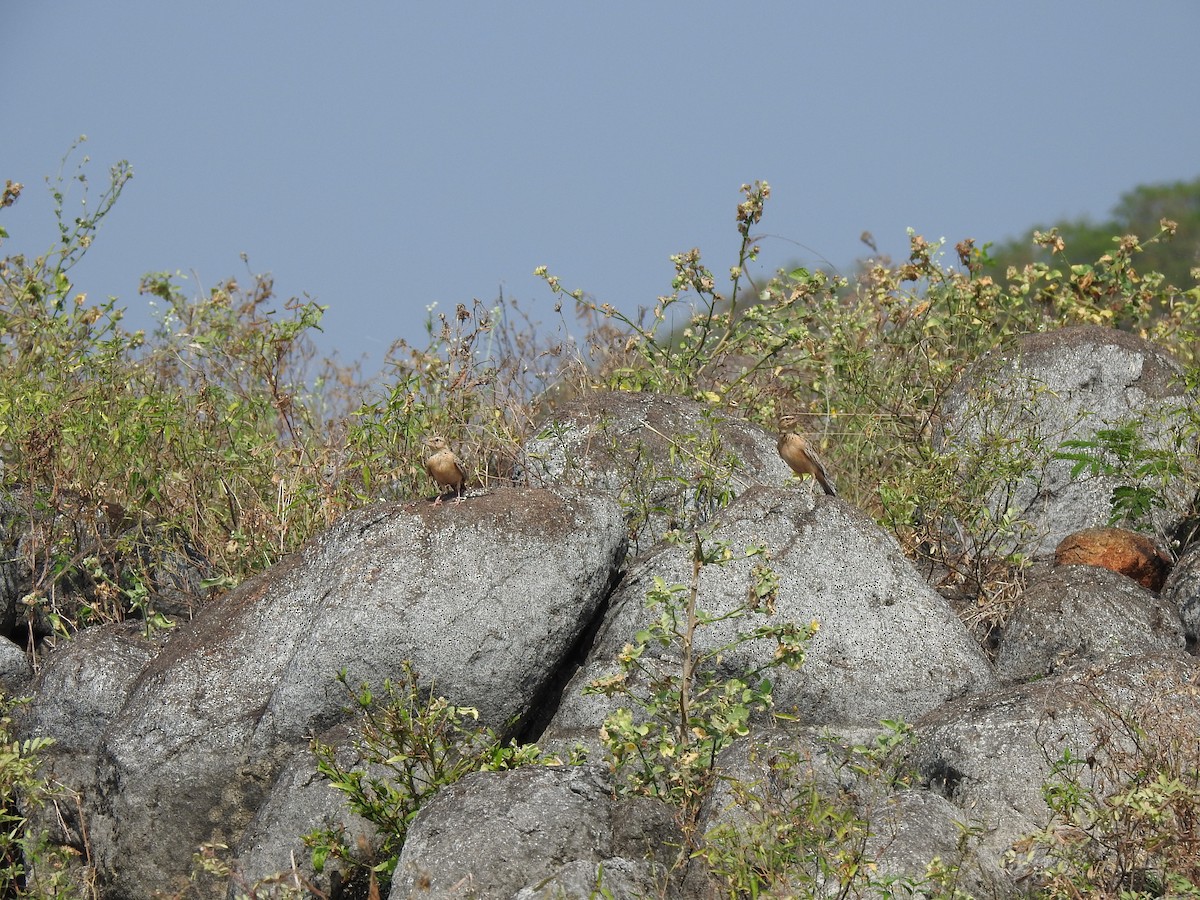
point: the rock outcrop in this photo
(1119, 549)
(486, 598)
(514, 600)
(888, 646)
(1022, 404)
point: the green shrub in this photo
(31, 865)
(219, 436)
(409, 744)
(1125, 818)
(682, 710)
(794, 837)
(196, 440)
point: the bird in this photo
(444, 468)
(802, 458)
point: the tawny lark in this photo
(803, 459)
(444, 468)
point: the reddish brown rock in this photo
(1133, 555)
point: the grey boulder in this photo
(486, 597)
(888, 646)
(992, 753)
(1182, 591)
(1075, 614)
(1054, 387)
(537, 832)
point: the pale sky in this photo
(383, 157)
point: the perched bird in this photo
(803, 459)
(444, 468)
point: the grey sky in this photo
(384, 156)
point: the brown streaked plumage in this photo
(444, 468)
(802, 458)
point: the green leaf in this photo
(319, 855)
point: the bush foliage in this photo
(221, 433)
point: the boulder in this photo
(913, 828)
(888, 646)
(81, 688)
(1075, 614)
(538, 832)
(826, 794)
(1119, 549)
(990, 754)
(301, 801)
(1182, 590)
(487, 598)
(16, 671)
(1014, 409)
(84, 683)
